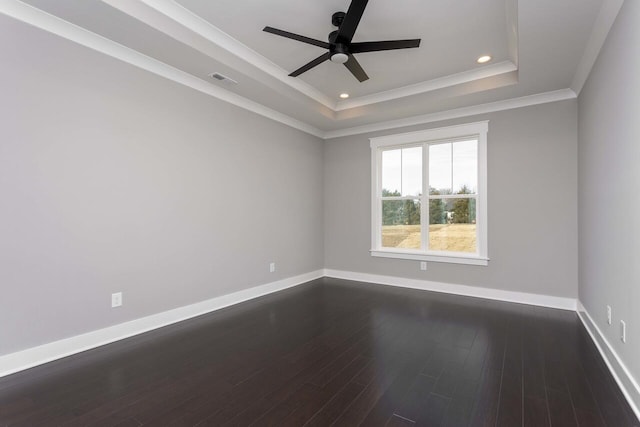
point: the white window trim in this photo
(477, 129)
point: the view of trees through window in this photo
(452, 214)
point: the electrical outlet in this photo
(623, 331)
(116, 299)
(423, 265)
(272, 267)
(609, 314)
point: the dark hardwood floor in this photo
(334, 352)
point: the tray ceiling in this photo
(536, 47)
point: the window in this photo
(447, 223)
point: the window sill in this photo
(421, 256)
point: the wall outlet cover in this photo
(116, 299)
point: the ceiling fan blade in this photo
(297, 37)
(383, 45)
(354, 66)
(319, 60)
(351, 20)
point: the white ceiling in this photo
(538, 47)
(446, 49)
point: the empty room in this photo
(318, 213)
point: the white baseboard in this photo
(25, 359)
(627, 383)
(449, 288)
(618, 369)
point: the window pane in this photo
(391, 172)
(453, 168)
(452, 225)
(440, 169)
(412, 171)
(465, 167)
(401, 224)
(402, 172)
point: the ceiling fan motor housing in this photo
(332, 36)
(339, 53)
(337, 18)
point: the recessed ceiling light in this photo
(483, 59)
(344, 95)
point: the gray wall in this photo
(532, 203)
(113, 179)
(609, 186)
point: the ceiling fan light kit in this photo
(340, 46)
(339, 58)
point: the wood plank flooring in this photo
(334, 352)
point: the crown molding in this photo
(54, 25)
(507, 104)
(57, 26)
(213, 34)
(513, 33)
(468, 76)
(429, 85)
(601, 27)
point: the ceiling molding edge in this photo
(55, 25)
(429, 85)
(213, 34)
(507, 104)
(601, 27)
(513, 34)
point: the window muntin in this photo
(451, 163)
(400, 197)
(402, 171)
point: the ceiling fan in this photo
(340, 48)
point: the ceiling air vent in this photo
(223, 78)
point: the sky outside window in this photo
(402, 171)
(452, 165)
